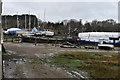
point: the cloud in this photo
(59, 11)
(61, 0)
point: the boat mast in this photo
(69, 29)
(17, 21)
(38, 22)
(44, 18)
(44, 14)
(25, 21)
(5, 21)
(29, 20)
(34, 22)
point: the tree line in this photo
(66, 27)
(73, 27)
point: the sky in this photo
(57, 11)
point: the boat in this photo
(98, 37)
(105, 46)
(68, 45)
(49, 33)
(11, 31)
(42, 32)
(23, 33)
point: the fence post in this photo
(1, 42)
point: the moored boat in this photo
(105, 46)
(98, 37)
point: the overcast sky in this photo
(58, 11)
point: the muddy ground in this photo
(21, 68)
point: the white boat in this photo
(97, 37)
(49, 33)
(45, 33)
(23, 33)
(105, 46)
(12, 31)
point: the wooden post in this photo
(35, 41)
(56, 42)
(1, 42)
(48, 40)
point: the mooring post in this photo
(1, 42)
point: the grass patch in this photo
(68, 63)
(7, 57)
(97, 64)
(35, 61)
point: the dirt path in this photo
(23, 69)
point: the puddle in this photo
(51, 54)
(18, 61)
(10, 52)
(21, 61)
(45, 55)
(41, 55)
(79, 75)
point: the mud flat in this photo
(22, 61)
(25, 60)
